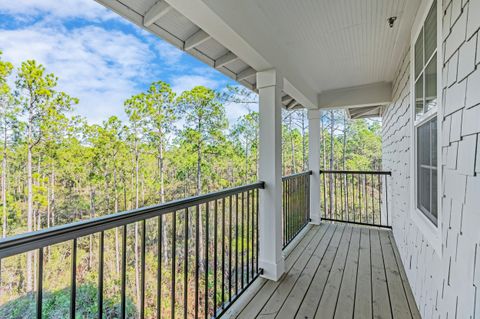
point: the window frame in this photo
(431, 231)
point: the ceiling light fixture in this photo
(391, 21)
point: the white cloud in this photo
(59, 8)
(100, 67)
(170, 54)
(187, 82)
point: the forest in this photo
(58, 168)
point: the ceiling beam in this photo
(291, 104)
(245, 74)
(196, 39)
(221, 20)
(286, 98)
(158, 10)
(225, 59)
(358, 96)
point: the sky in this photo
(98, 56)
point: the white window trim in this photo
(432, 233)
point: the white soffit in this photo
(365, 112)
(318, 46)
(164, 20)
(357, 96)
(161, 19)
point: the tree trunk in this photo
(292, 146)
(345, 160)
(52, 204)
(137, 257)
(117, 245)
(332, 123)
(162, 200)
(304, 145)
(29, 202)
(92, 215)
(202, 244)
(4, 180)
(246, 161)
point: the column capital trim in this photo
(313, 114)
(269, 78)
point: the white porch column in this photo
(269, 84)
(314, 164)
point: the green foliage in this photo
(58, 168)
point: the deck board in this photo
(363, 291)
(336, 271)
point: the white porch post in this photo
(314, 164)
(269, 84)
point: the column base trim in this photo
(272, 271)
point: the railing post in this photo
(314, 164)
(269, 84)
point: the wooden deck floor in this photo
(335, 271)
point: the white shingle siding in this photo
(466, 59)
(455, 97)
(455, 126)
(473, 17)
(456, 37)
(473, 89)
(451, 71)
(471, 118)
(446, 286)
(467, 149)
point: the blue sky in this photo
(98, 56)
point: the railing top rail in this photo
(29, 241)
(297, 175)
(355, 172)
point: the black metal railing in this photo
(296, 205)
(187, 258)
(355, 196)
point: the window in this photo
(425, 76)
(427, 169)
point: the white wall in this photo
(445, 285)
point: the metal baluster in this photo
(353, 199)
(373, 199)
(248, 236)
(73, 279)
(256, 218)
(324, 195)
(243, 245)
(215, 228)
(100, 274)
(386, 198)
(142, 280)
(197, 257)
(347, 195)
(359, 196)
(236, 244)
(207, 219)
(39, 283)
(159, 265)
(230, 229)
(284, 210)
(365, 195)
(174, 252)
(252, 261)
(380, 198)
(123, 315)
(223, 251)
(185, 265)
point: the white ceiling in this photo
(332, 43)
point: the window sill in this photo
(431, 232)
